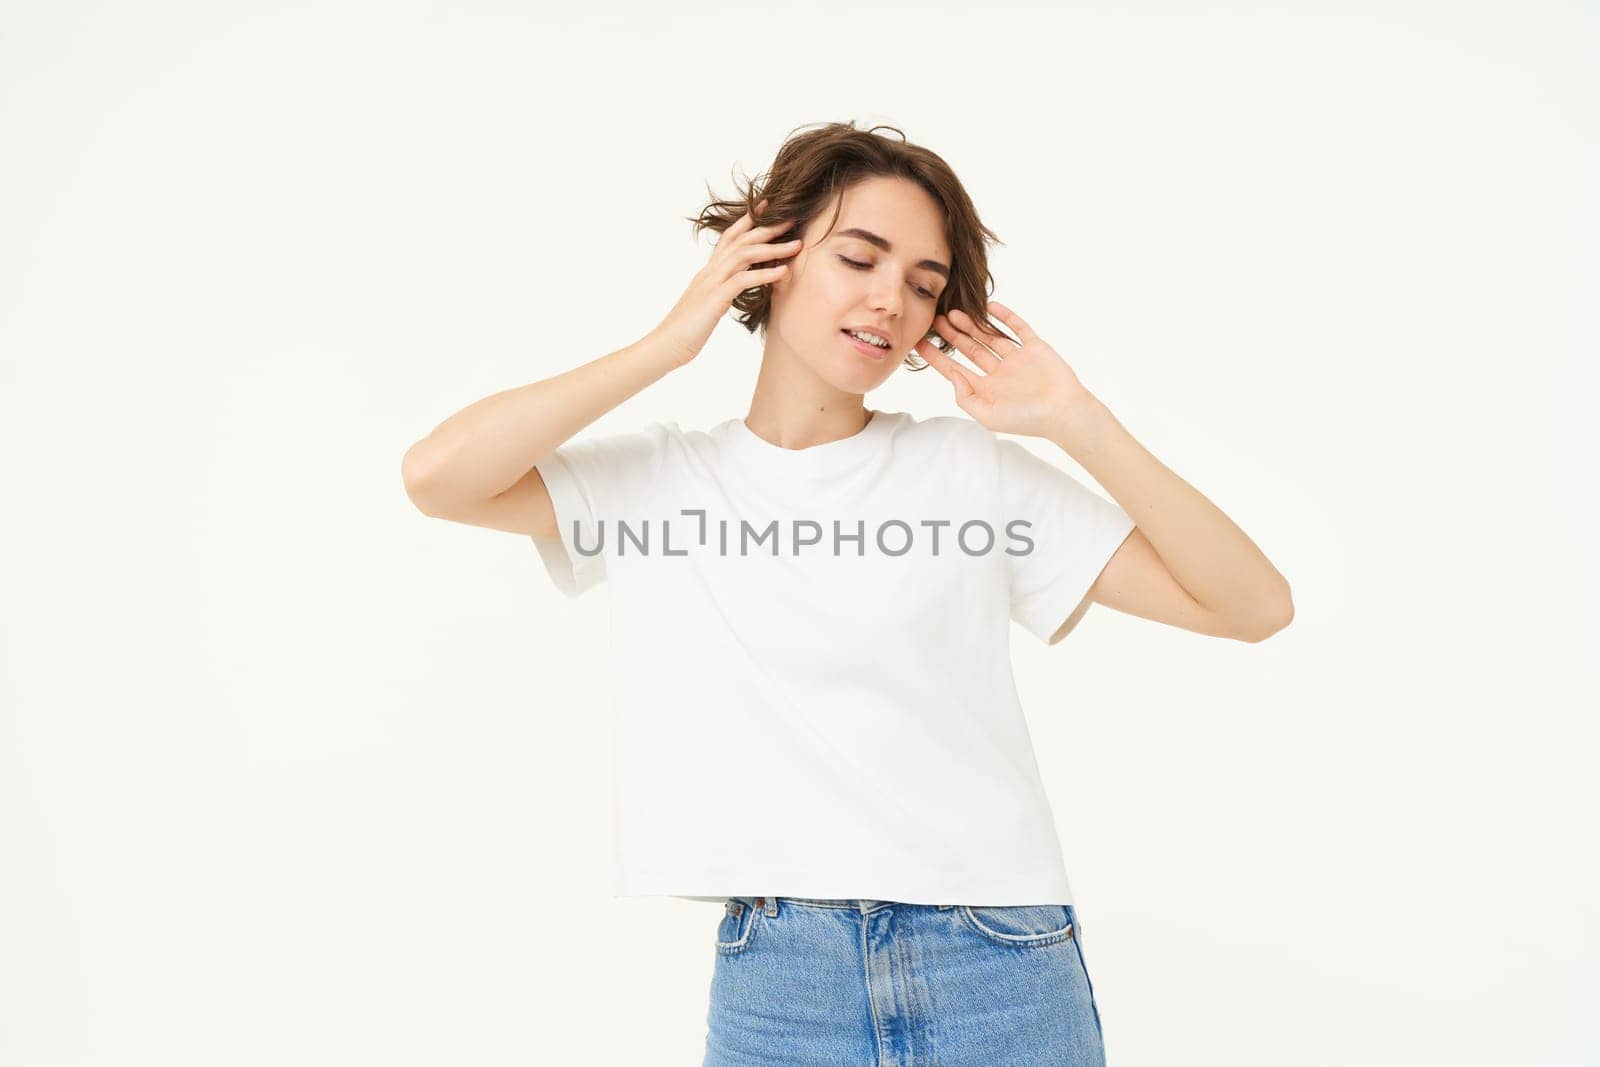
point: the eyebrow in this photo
(883, 243)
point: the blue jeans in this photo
(876, 983)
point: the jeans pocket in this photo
(1020, 925)
(737, 924)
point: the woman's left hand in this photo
(1026, 389)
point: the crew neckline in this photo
(829, 457)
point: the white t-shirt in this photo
(799, 721)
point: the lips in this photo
(873, 329)
(870, 351)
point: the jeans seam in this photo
(1077, 944)
(1019, 940)
(734, 948)
(866, 967)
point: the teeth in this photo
(867, 337)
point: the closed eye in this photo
(868, 266)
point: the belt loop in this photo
(772, 906)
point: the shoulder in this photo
(952, 439)
(942, 428)
(657, 438)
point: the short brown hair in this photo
(813, 166)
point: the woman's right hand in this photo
(688, 326)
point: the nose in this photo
(886, 298)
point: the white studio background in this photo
(291, 773)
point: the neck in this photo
(793, 408)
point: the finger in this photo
(767, 229)
(948, 367)
(770, 230)
(739, 249)
(744, 222)
(758, 237)
(754, 278)
(942, 346)
(999, 343)
(1013, 320)
(758, 252)
(967, 344)
(764, 255)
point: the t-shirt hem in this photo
(1011, 894)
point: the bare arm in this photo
(485, 453)
(478, 466)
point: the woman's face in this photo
(892, 290)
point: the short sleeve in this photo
(590, 481)
(1071, 534)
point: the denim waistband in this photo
(865, 906)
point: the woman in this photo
(816, 723)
